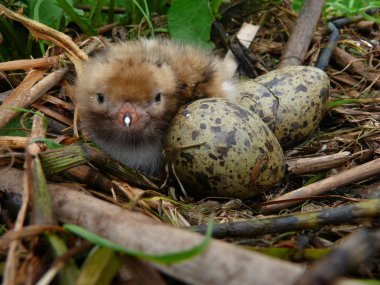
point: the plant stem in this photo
(146, 15)
(156, 6)
(133, 13)
(111, 11)
(215, 4)
(96, 21)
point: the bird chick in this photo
(129, 94)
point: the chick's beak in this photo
(127, 120)
(127, 115)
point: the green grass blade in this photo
(169, 258)
(341, 102)
(100, 267)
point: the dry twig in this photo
(27, 64)
(314, 164)
(358, 173)
(302, 34)
(18, 99)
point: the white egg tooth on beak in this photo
(127, 120)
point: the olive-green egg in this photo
(291, 101)
(220, 149)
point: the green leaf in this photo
(3, 229)
(14, 128)
(99, 268)
(315, 178)
(42, 204)
(215, 5)
(336, 103)
(76, 17)
(190, 21)
(69, 273)
(168, 258)
(46, 12)
(292, 253)
(50, 144)
(96, 18)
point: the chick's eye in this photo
(100, 98)
(157, 97)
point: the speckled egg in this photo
(291, 101)
(220, 149)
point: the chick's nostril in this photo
(127, 120)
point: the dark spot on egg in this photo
(215, 129)
(324, 94)
(201, 178)
(275, 80)
(230, 139)
(189, 158)
(267, 119)
(267, 94)
(295, 125)
(194, 135)
(210, 169)
(212, 156)
(275, 170)
(216, 179)
(222, 150)
(300, 88)
(264, 166)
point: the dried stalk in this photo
(27, 64)
(17, 95)
(22, 100)
(314, 164)
(38, 131)
(41, 31)
(58, 160)
(12, 262)
(13, 142)
(298, 44)
(356, 66)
